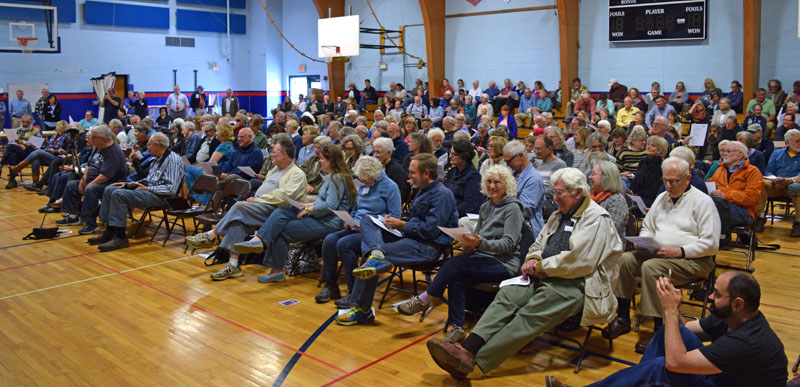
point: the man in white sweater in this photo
(685, 224)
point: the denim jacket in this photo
(434, 206)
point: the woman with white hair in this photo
(724, 111)
(608, 192)
(490, 254)
(378, 195)
(696, 180)
(485, 107)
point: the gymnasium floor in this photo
(148, 315)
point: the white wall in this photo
(780, 46)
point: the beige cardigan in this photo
(292, 182)
(595, 248)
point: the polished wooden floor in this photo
(148, 315)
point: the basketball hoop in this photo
(333, 54)
(23, 44)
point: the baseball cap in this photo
(754, 128)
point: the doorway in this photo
(302, 84)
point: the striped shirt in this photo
(165, 177)
(628, 160)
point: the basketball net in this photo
(333, 53)
(23, 44)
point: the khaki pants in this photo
(771, 191)
(770, 129)
(644, 265)
(519, 314)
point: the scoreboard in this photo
(642, 20)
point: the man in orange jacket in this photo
(738, 183)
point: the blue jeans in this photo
(57, 185)
(39, 157)
(191, 174)
(91, 199)
(652, 369)
(457, 274)
(282, 227)
(344, 245)
(740, 216)
(398, 251)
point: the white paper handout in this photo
(711, 186)
(472, 216)
(639, 203)
(644, 242)
(379, 222)
(292, 202)
(36, 142)
(516, 281)
(456, 233)
(345, 216)
(442, 161)
(698, 133)
(248, 171)
(11, 135)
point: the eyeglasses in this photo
(349, 148)
(674, 181)
(512, 158)
(559, 192)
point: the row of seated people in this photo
(434, 205)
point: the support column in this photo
(568, 13)
(752, 48)
(433, 17)
(335, 69)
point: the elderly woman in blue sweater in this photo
(315, 221)
(490, 253)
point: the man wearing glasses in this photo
(685, 224)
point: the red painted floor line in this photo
(48, 261)
(376, 361)
(217, 316)
(781, 307)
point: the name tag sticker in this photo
(568, 228)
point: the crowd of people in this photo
(377, 193)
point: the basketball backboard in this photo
(339, 31)
(29, 21)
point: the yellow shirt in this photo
(626, 116)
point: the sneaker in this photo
(249, 247)
(266, 278)
(455, 334)
(344, 302)
(355, 316)
(12, 183)
(200, 241)
(70, 220)
(327, 293)
(227, 271)
(114, 244)
(88, 229)
(48, 210)
(371, 268)
(32, 187)
(413, 306)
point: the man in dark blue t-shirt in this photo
(106, 165)
(744, 351)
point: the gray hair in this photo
(748, 138)
(572, 178)
(357, 143)
(148, 122)
(449, 120)
(335, 125)
(361, 120)
(384, 143)
(604, 124)
(502, 173)
(547, 115)
(368, 167)
(686, 154)
(115, 123)
(292, 124)
(790, 134)
(675, 163)
(599, 137)
(514, 147)
(461, 135)
(483, 126)
(611, 179)
(739, 146)
(637, 134)
(661, 120)
(160, 139)
(660, 143)
(284, 141)
(597, 156)
(346, 131)
(382, 124)
(104, 132)
(188, 124)
(439, 132)
(362, 129)
(323, 141)
(460, 116)
(556, 130)
(485, 97)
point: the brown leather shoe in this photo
(618, 327)
(642, 345)
(451, 357)
(760, 222)
(552, 381)
(795, 233)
